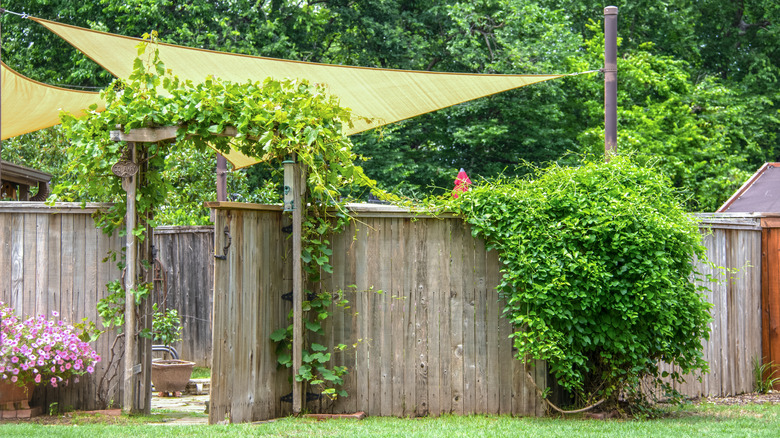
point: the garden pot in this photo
(11, 393)
(171, 375)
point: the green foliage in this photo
(316, 366)
(274, 120)
(111, 309)
(764, 379)
(166, 326)
(596, 264)
(697, 81)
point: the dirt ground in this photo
(742, 399)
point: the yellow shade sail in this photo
(376, 96)
(28, 105)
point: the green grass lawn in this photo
(687, 420)
(201, 373)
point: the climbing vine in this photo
(273, 120)
(597, 269)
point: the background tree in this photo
(697, 81)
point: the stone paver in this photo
(186, 404)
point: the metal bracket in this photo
(225, 248)
(310, 396)
(289, 296)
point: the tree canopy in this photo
(697, 80)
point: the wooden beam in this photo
(146, 135)
(152, 135)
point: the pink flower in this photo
(15, 359)
(54, 381)
(54, 313)
(37, 378)
(14, 379)
(90, 369)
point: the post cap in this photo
(611, 10)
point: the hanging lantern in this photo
(289, 183)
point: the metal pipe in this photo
(610, 81)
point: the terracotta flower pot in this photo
(11, 393)
(171, 375)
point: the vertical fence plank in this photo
(384, 317)
(434, 244)
(220, 362)
(455, 269)
(5, 256)
(397, 307)
(421, 321)
(492, 344)
(480, 325)
(41, 264)
(443, 303)
(17, 264)
(364, 315)
(410, 320)
(469, 327)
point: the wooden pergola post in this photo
(298, 190)
(129, 184)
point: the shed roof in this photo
(22, 175)
(760, 194)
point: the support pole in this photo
(297, 344)
(129, 184)
(2, 11)
(221, 178)
(610, 81)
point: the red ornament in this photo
(462, 183)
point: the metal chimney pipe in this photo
(610, 81)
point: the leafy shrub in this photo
(596, 264)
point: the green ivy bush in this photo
(597, 269)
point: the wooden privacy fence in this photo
(433, 340)
(734, 248)
(187, 257)
(51, 258)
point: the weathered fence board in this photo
(422, 325)
(432, 342)
(734, 250)
(50, 260)
(187, 257)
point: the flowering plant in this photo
(36, 349)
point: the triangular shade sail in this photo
(381, 95)
(28, 105)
